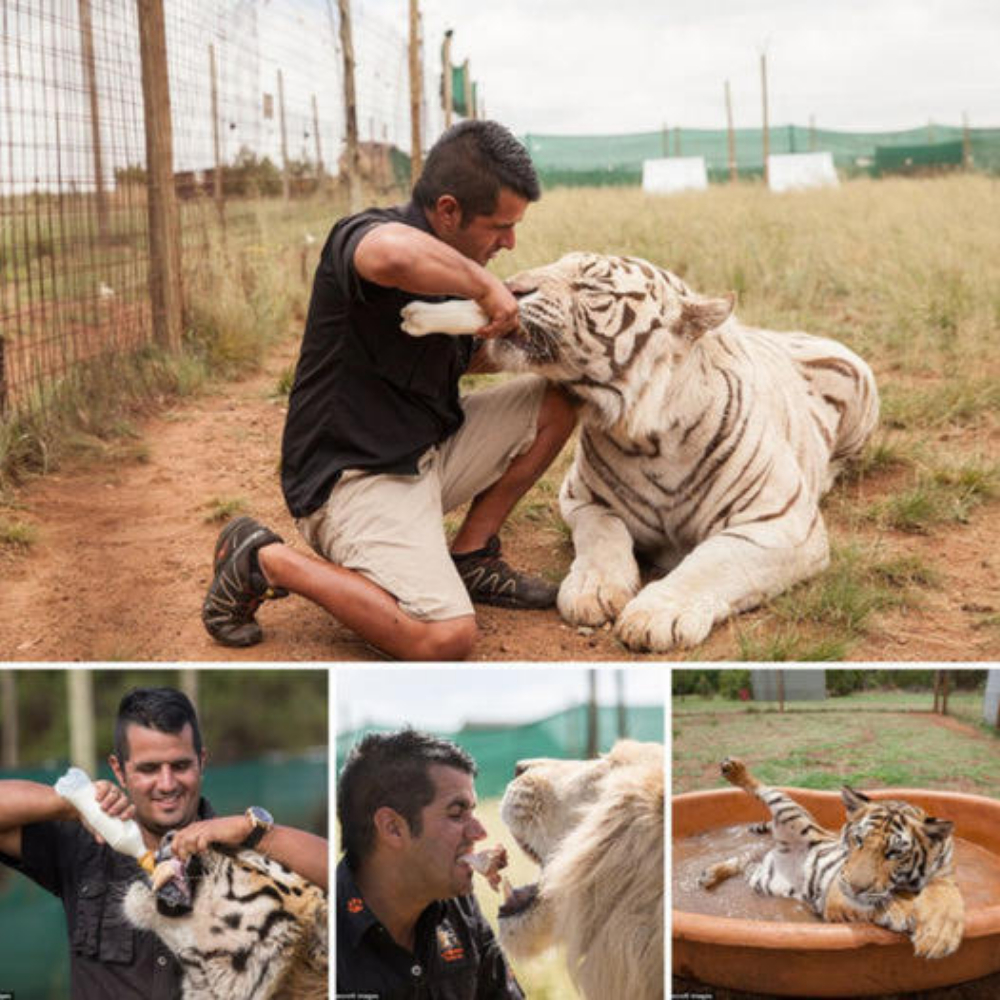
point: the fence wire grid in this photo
(257, 110)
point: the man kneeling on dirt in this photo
(377, 441)
(407, 921)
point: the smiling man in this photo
(159, 762)
(378, 442)
(407, 923)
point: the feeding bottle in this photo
(121, 835)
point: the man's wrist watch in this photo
(261, 823)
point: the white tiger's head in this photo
(610, 329)
(241, 925)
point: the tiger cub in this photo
(242, 927)
(705, 444)
(890, 864)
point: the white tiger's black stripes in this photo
(709, 442)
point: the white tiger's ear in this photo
(698, 315)
(853, 801)
(938, 829)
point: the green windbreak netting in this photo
(34, 956)
(618, 159)
(497, 749)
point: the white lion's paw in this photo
(656, 624)
(588, 597)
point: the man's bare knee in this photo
(447, 640)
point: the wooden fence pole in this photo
(320, 167)
(216, 137)
(4, 391)
(164, 222)
(350, 107)
(80, 696)
(90, 75)
(286, 180)
(416, 93)
(731, 136)
(470, 111)
(8, 709)
(766, 131)
(446, 81)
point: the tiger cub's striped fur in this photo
(256, 930)
(704, 444)
(890, 864)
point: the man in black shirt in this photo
(378, 442)
(408, 926)
(159, 762)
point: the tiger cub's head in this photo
(608, 328)
(241, 925)
(892, 847)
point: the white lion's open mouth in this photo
(517, 901)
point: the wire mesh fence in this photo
(257, 112)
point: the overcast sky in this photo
(593, 66)
(446, 698)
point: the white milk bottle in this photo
(120, 835)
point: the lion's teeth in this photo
(508, 892)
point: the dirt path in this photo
(123, 560)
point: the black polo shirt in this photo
(365, 394)
(456, 955)
(109, 959)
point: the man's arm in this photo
(302, 852)
(24, 802)
(395, 255)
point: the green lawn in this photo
(871, 740)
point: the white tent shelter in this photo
(679, 173)
(791, 171)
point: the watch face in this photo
(260, 816)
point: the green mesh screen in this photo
(34, 957)
(497, 749)
(617, 159)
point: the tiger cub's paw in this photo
(937, 933)
(735, 772)
(713, 875)
(587, 597)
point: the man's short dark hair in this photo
(472, 161)
(166, 710)
(390, 769)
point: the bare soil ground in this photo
(123, 558)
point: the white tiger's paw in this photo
(657, 624)
(588, 597)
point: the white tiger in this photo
(705, 444)
(250, 929)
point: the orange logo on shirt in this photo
(355, 905)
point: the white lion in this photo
(705, 444)
(596, 829)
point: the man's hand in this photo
(196, 837)
(500, 306)
(113, 801)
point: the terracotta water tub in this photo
(831, 960)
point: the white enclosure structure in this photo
(791, 171)
(679, 173)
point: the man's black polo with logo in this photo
(456, 955)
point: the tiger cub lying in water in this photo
(241, 925)
(890, 864)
